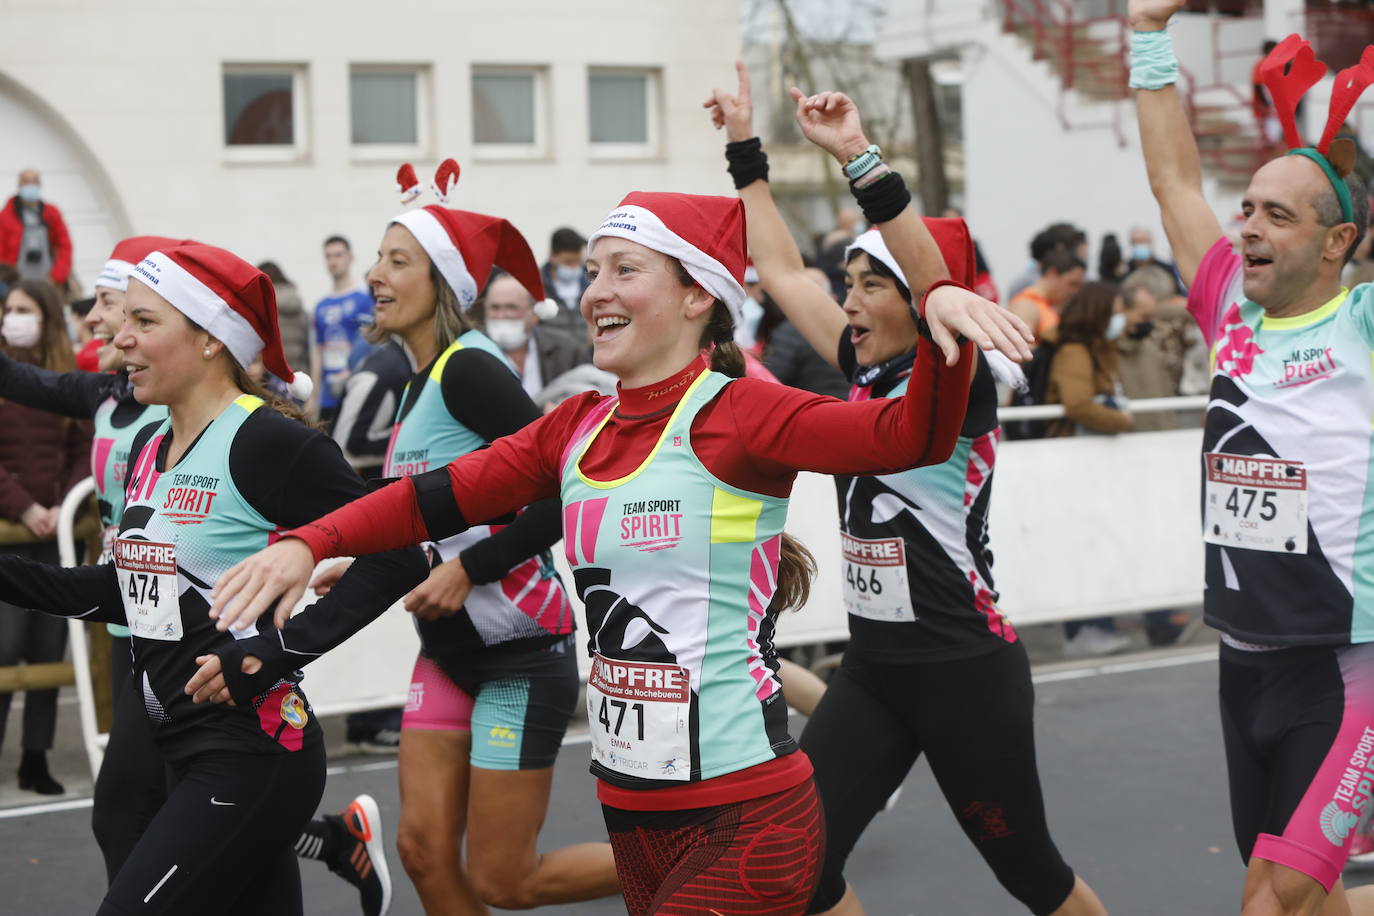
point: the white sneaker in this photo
(1093, 640)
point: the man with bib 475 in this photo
(1287, 471)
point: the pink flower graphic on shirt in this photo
(1236, 348)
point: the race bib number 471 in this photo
(638, 713)
(147, 572)
(1255, 503)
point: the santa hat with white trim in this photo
(228, 297)
(115, 274)
(706, 234)
(464, 246)
(956, 248)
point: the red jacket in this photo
(41, 456)
(59, 242)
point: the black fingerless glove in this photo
(747, 161)
(276, 666)
(883, 199)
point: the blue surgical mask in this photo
(1142, 252)
(30, 193)
(1116, 326)
(568, 274)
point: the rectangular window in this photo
(264, 111)
(622, 112)
(508, 111)
(387, 111)
(383, 106)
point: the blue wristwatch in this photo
(858, 165)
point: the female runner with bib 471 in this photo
(674, 496)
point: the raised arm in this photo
(1171, 155)
(771, 245)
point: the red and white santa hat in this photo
(115, 274)
(228, 297)
(466, 245)
(706, 234)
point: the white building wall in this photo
(140, 83)
(1023, 169)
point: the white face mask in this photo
(20, 330)
(508, 333)
(1116, 326)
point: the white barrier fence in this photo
(1081, 527)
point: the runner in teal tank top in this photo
(674, 496)
(219, 478)
(496, 681)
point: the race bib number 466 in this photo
(875, 585)
(1255, 503)
(147, 573)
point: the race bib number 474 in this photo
(147, 572)
(1255, 503)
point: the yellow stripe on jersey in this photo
(734, 519)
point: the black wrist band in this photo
(747, 161)
(883, 199)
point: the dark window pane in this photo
(383, 107)
(503, 107)
(618, 109)
(258, 109)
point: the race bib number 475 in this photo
(147, 573)
(1255, 503)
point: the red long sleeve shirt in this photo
(755, 435)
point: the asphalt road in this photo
(1129, 756)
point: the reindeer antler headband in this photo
(1288, 72)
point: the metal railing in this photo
(1144, 405)
(1058, 33)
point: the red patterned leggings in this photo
(752, 857)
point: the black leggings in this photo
(132, 783)
(973, 720)
(222, 842)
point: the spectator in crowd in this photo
(1143, 366)
(339, 321)
(1145, 374)
(789, 357)
(1086, 378)
(1143, 255)
(1266, 123)
(291, 316)
(33, 235)
(1061, 277)
(86, 344)
(1111, 264)
(747, 332)
(9, 276)
(983, 283)
(41, 456)
(831, 247)
(1360, 269)
(1056, 235)
(367, 409)
(564, 280)
(539, 353)
(576, 380)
